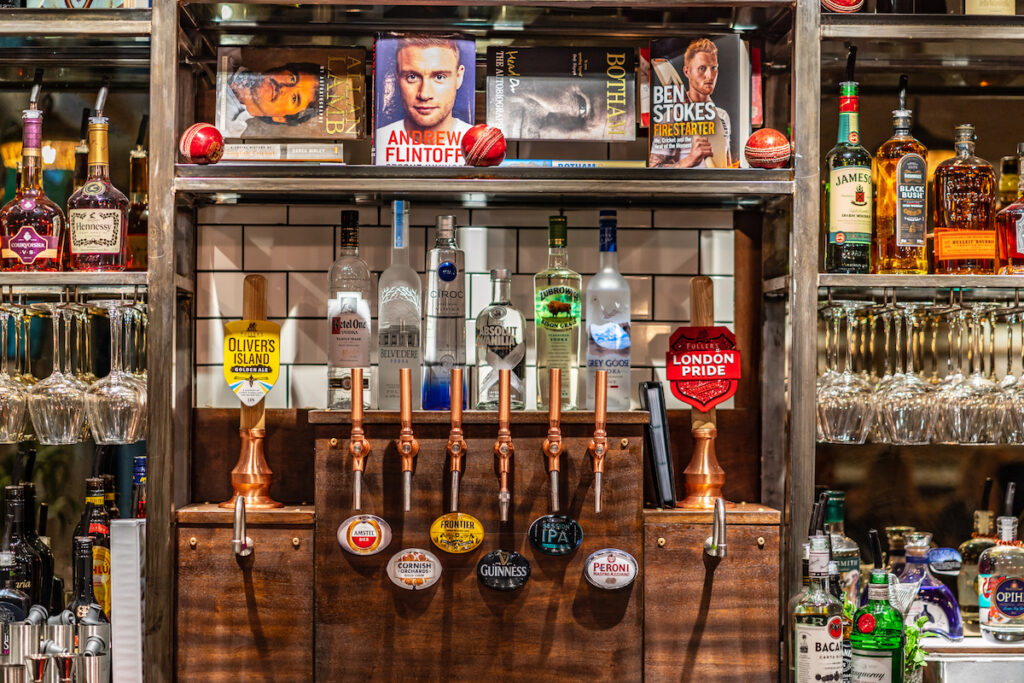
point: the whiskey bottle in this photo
(398, 316)
(500, 346)
(557, 318)
(138, 201)
(981, 539)
(901, 211)
(348, 317)
(31, 226)
(98, 211)
(818, 623)
(1001, 581)
(877, 638)
(32, 537)
(965, 200)
(848, 197)
(1010, 226)
(444, 345)
(1009, 180)
(607, 318)
(83, 598)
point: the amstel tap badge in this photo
(457, 532)
(364, 535)
(414, 569)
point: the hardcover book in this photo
(423, 98)
(700, 102)
(291, 93)
(562, 93)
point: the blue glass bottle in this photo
(934, 599)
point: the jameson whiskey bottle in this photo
(31, 226)
(1010, 226)
(348, 319)
(83, 597)
(848, 198)
(138, 201)
(98, 211)
(500, 346)
(877, 638)
(965, 208)
(901, 210)
(557, 318)
(818, 623)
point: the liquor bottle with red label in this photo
(31, 226)
(95, 524)
(965, 209)
(848, 188)
(1001, 581)
(878, 636)
(1010, 226)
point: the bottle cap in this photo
(14, 492)
(896, 536)
(445, 227)
(1020, 153)
(349, 217)
(557, 231)
(901, 118)
(835, 508)
(1007, 528)
(965, 133)
(501, 274)
(918, 540)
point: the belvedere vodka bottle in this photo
(557, 318)
(500, 346)
(607, 315)
(398, 314)
(445, 340)
(348, 319)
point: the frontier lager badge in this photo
(364, 535)
(503, 570)
(457, 532)
(610, 569)
(556, 534)
(414, 569)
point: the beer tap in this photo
(503, 447)
(358, 446)
(456, 443)
(553, 443)
(599, 444)
(408, 447)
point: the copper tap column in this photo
(456, 443)
(553, 443)
(408, 447)
(599, 444)
(358, 446)
(503, 447)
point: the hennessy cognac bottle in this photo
(98, 211)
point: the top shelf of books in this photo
(95, 23)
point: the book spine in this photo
(283, 151)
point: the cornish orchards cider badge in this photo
(703, 366)
(252, 358)
(414, 569)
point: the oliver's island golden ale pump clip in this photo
(503, 447)
(358, 446)
(408, 447)
(599, 444)
(553, 443)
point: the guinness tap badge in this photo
(414, 569)
(457, 532)
(503, 570)
(610, 569)
(556, 534)
(364, 535)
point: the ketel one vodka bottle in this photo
(398, 316)
(500, 346)
(98, 211)
(445, 334)
(848, 198)
(818, 623)
(934, 599)
(845, 550)
(348, 319)
(1001, 581)
(557, 318)
(31, 226)
(607, 316)
(877, 638)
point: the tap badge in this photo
(703, 366)
(457, 532)
(364, 535)
(414, 569)
(610, 569)
(556, 534)
(503, 570)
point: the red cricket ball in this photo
(842, 6)
(202, 143)
(767, 148)
(483, 145)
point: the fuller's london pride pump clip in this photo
(252, 358)
(703, 366)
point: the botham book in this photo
(700, 102)
(423, 98)
(291, 93)
(562, 93)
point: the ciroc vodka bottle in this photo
(445, 338)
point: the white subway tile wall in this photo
(294, 246)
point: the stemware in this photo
(845, 406)
(905, 405)
(116, 404)
(13, 397)
(975, 409)
(56, 404)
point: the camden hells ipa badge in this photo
(414, 569)
(610, 569)
(364, 535)
(503, 570)
(457, 532)
(556, 534)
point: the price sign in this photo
(252, 358)
(703, 366)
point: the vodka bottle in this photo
(445, 339)
(398, 314)
(557, 318)
(607, 316)
(348, 319)
(500, 346)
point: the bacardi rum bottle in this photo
(398, 315)
(445, 336)
(348, 319)
(557, 318)
(1010, 225)
(848, 199)
(98, 211)
(607, 316)
(500, 346)
(965, 209)
(818, 623)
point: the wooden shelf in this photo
(476, 417)
(742, 513)
(921, 27)
(84, 23)
(922, 281)
(212, 513)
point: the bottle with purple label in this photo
(31, 226)
(934, 599)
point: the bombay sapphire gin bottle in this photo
(500, 346)
(934, 599)
(348, 319)
(1001, 582)
(607, 316)
(445, 340)
(398, 314)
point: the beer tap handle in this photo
(503, 447)
(599, 444)
(456, 443)
(358, 446)
(553, 443)
(408, 447)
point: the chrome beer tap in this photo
(599, 444)
(503, 447)
(553, 443)
(358, 446)
(456, 443)
(408, 447)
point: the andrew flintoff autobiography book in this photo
(700, 102)
(562, 93)
(286, 94)
(423, 98)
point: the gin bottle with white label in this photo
(398, 315)
(348, 319)
(445, 338)
(500, 346)
(607, 316)
(1001, 581)
(818, 623)
(557, 319)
